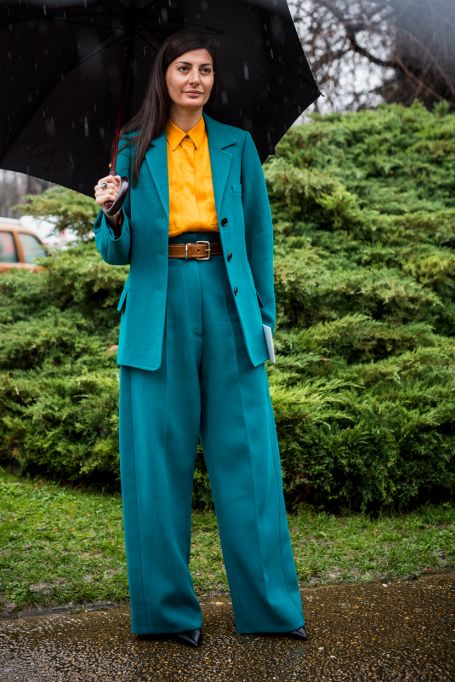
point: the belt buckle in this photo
(203, 241)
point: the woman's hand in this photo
(106, 190)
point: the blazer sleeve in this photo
(116, 250)
(258, 230)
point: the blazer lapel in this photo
(219, 140)
(156, 157)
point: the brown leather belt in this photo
(201, 250)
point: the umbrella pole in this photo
(114, 207)
(125, 92)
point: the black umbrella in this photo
(74, 70)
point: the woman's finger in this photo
(105, 187)
(104, 196)
(109, 181)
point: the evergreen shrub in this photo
(364, 385)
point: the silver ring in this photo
(104, 185)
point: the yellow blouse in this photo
(191, 198)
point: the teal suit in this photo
(192, 367)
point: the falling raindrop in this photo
(86, 130)
(246, 72)
(10, 56)
(50, 126)
(224, 97)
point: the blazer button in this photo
(229, 256)
(224, 221)
(236, 291)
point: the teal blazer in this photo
(246, 232)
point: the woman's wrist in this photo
(115, 221)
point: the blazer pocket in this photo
(122, 299)
(261, 303)
(236, 189)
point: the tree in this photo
(366, 51)
(65, 208)
(13, 186)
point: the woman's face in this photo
(190, 78)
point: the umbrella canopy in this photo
(67, 65)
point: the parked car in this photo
(20, 247)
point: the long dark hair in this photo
(150, 121)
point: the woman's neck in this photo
(185, 119)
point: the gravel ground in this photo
(403, 630)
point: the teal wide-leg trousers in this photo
(205, 388)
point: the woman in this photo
(196, 230)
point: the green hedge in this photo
(364, 385)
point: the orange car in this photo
(19, 246)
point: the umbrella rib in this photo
(139, 22)
(97, 50)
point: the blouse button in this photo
(224, 221)
(236, 291)
(229, 256)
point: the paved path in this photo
(403, 630)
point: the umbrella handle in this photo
(113, 206)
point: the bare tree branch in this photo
(365, 51)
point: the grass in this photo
(60, 546)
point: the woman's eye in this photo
(205, 70)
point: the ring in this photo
(103, 185)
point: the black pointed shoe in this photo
(300, 633)
(191, 637)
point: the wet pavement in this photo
(403, 630)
